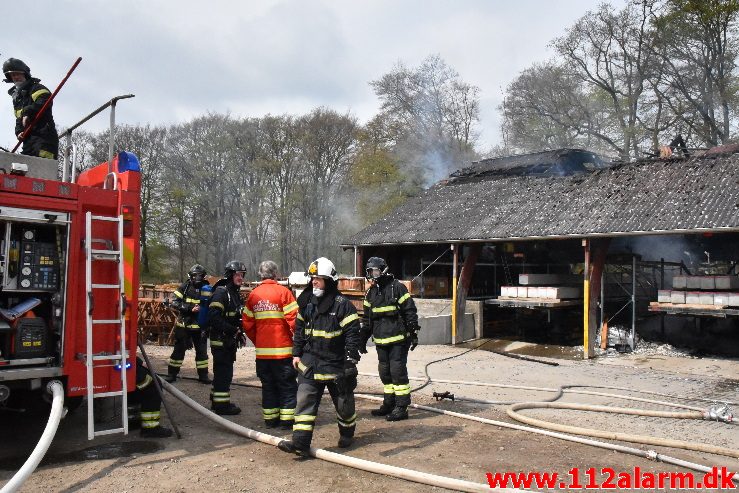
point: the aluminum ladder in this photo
(111, 253)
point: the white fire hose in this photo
(56, 389)
(344, 460)
(544, 426)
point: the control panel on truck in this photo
(32, 255)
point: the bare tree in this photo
(697, 46)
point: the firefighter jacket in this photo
(27, 101)
(389, 312)
(224, 315)
(187, 297)
(269, 320)
(327, 330)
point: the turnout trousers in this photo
(279, 389)
(147, 395)
(310, 392)
(185, 339)
(393, 368)
(223, 373)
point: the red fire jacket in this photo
(268, 319)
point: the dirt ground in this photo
(209, 458)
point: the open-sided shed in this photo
(560, 195)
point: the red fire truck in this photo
(69, 257)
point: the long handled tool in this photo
(41, 112)
(159, 388)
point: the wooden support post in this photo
(455, 249)
(463, 286)
(359, 261)
(595, 261)
(588, 344)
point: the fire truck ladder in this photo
(92, 257)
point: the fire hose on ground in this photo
(697, 413)
(647, 454)
(56, 389)
(345, 460)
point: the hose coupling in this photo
(652, 454)
(719, 412)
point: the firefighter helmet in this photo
(323, 267)
(376, 263)
(232, 268)
(197, 273)
(15, 65)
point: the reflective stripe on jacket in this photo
(187, 297)
(390, 311)
(268, 319)
(325, 332)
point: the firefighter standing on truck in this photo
(29, 95)
(188, 333)
(391, 320)
(226, 335)
(269, 321)
(326, 353)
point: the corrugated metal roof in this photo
(700, 194)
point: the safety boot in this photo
(271, 423)
(229, 409)
(156, 432)
(398, 414)
(287, 425)
(170, 378)
(289, 447)
(383, 410)
(345, 442)
(203, 376)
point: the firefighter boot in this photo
(398, 414)
(170, 378)
(228, 409)
(156, 432)
(383, 410)
(289, 447)
(203, 376)
(345, 442)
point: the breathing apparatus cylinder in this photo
(205, 293)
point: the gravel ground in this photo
(208, 458)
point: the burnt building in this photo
(598, 243)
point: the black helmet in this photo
(232, 268)
(15, 65)
(376, 263)
(197, 273)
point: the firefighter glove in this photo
(352, 355)
(364, 337)
(240, 339)
(413, 338)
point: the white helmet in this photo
(323, 267)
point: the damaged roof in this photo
(693, 195)
(559, 162)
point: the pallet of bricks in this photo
(550, 288)
(706, 292)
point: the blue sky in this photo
(185, 58)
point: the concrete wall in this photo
(435, 318)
